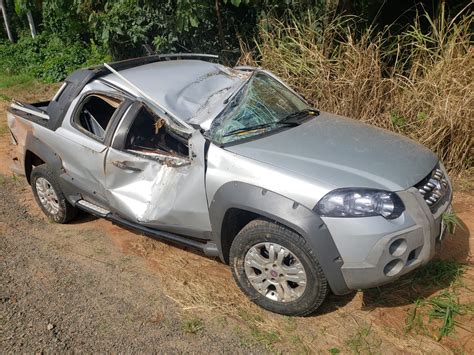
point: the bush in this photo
(47, 57)
(418, 83)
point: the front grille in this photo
(434, 187)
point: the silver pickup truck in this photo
(234, 163)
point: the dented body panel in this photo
(160, 193)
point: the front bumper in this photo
(376, 251)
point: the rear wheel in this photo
(277, 270)
(49, 196)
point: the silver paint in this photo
(341, 152)
(157, 192)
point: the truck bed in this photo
(36, 112)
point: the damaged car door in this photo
(155, 177)
(84, 138)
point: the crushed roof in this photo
(193, 90)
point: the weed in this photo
(398, 120)
(451, 221)
(421, 116)
(299, 345)
(444, 308)
(257, 336)
(2, 180)
(265, 337)
(5, 97)
(414, 318)
(360, 342)
(192, 326)
(438, 272)
(254, 321)
(334, 351)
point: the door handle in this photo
(125, 166)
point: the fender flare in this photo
(43, 151)
(287, 212)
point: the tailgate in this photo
(23, 120)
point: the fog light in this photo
(398, 247)
(393, 267)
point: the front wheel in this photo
(275, 268)
(49, 196)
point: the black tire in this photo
(65, 211)
(260, 231)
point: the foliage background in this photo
(402, 65)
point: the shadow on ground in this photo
(440, 273)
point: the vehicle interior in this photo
(150, 134)
(96, 113)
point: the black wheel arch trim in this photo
(44, 152)
(285, 211)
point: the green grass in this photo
(451, 221)
(398, 120)
(444, 308)
(438, 272)
(192, 326)
(362, 342)
(20, 80)
(4, 97)
(265, 337)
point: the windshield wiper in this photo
(297, 115)
(258, 127)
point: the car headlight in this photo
(360, 203)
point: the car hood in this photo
(340, 152)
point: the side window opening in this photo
(149, 134)
(95, 114)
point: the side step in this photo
(208, 248)
(92, 208)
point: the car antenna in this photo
(148, 97)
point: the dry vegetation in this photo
(418, 83)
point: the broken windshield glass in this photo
(262, 105)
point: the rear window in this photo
(96, 113)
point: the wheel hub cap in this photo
(275, 272)
(47, 195)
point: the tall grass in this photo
(419, 83)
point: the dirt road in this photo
(93, 286)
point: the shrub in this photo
(48, 57)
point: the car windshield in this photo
(263, 104)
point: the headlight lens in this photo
(360, 203)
